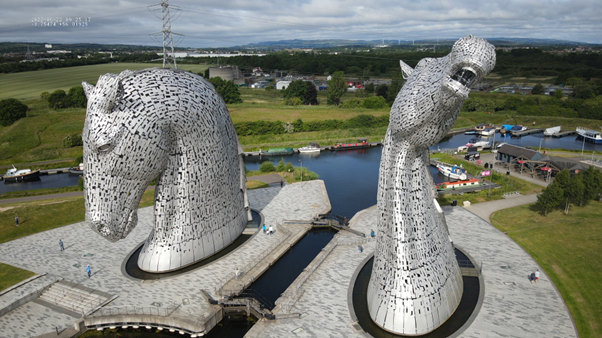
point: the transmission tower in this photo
(169, 56)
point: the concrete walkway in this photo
(40, 253)
(485, 209)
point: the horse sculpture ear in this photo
(88, 88)
(406, 70)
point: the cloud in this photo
(235, 22)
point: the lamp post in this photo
(583, 146)
(301, 170)
(593, 157)
(540, 145)
(491, 167)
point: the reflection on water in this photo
(45, 182)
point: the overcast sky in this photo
(223, 23)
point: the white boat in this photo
(23, 175)
(311, 148)
(452, 172)
(487, 132)
(589, 135)
(551, 131)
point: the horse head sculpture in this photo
(416, 284)
(170, 125)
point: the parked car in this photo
(472, 155)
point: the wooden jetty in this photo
(527, 132)
(564, 133)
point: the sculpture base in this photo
(462, 315)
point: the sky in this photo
(225, 23)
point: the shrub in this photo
(352, 103)
(281, 165)
(375, 102)
(267, 167)
(11, 110)
(72, 141)
(44, 95)
(289, 167)
(56, 100)
(293, 101)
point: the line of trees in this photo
(75, 98)
(301, 92)
(278, 127)
(567, 189)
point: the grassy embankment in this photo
(569, 249)
(10, 275)
(508, 183)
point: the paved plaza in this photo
(511, 306)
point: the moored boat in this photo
(459, 184)
(77, 170)
(482, 126)
(23, 175)
(589, 135)
(311, 148)
(362, 143)
(277, 151)
(551, 131)
(487, 132)
(452, 172)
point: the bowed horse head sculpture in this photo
(416, 284)
(171, 125)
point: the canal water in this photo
(45, 182)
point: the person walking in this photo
(237, 272)
(264, 229)
(61, 244)
(271, 231)
(89, 271)
(537, 276)
(281, 183)
(17, 220)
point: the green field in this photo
(569, 249)
(29, 85)
(10, 275)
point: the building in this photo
(282, 84)
(508, 152)
(229, 73)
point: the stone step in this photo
(72, 297)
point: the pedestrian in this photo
(17, 220)
(532, 277)
(537, 276)
(360, 248)
(270, 230)
(372, 233)
(89, 271)
(264, 228)
(61, 244)
(281, 183)
(237, 272)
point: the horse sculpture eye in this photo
(104, 147)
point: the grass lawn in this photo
(569, 249)
(256, 185)
(29, 85)
(10, 275)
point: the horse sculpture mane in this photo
(171, 125)
(416, 283)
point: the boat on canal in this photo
(454, 172)
(311, 148)
(79, 170)
(551, 131)
(24, 175)
(588, 135)
(362, 143)
(459, 184)
(277, 152)
(487, 132)
(482, 126)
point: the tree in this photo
(592, 180)
(583, 90)
(11, 110)
(394, 88)
(76, 98)
(382, 90)
(311, 95)
(56, 100)
(370, 88)
(550, 198)
(296, 88)
(336, 88)
(572, 187)
(281, 165)
(226, 89)
(558, 94)
(537, 89)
